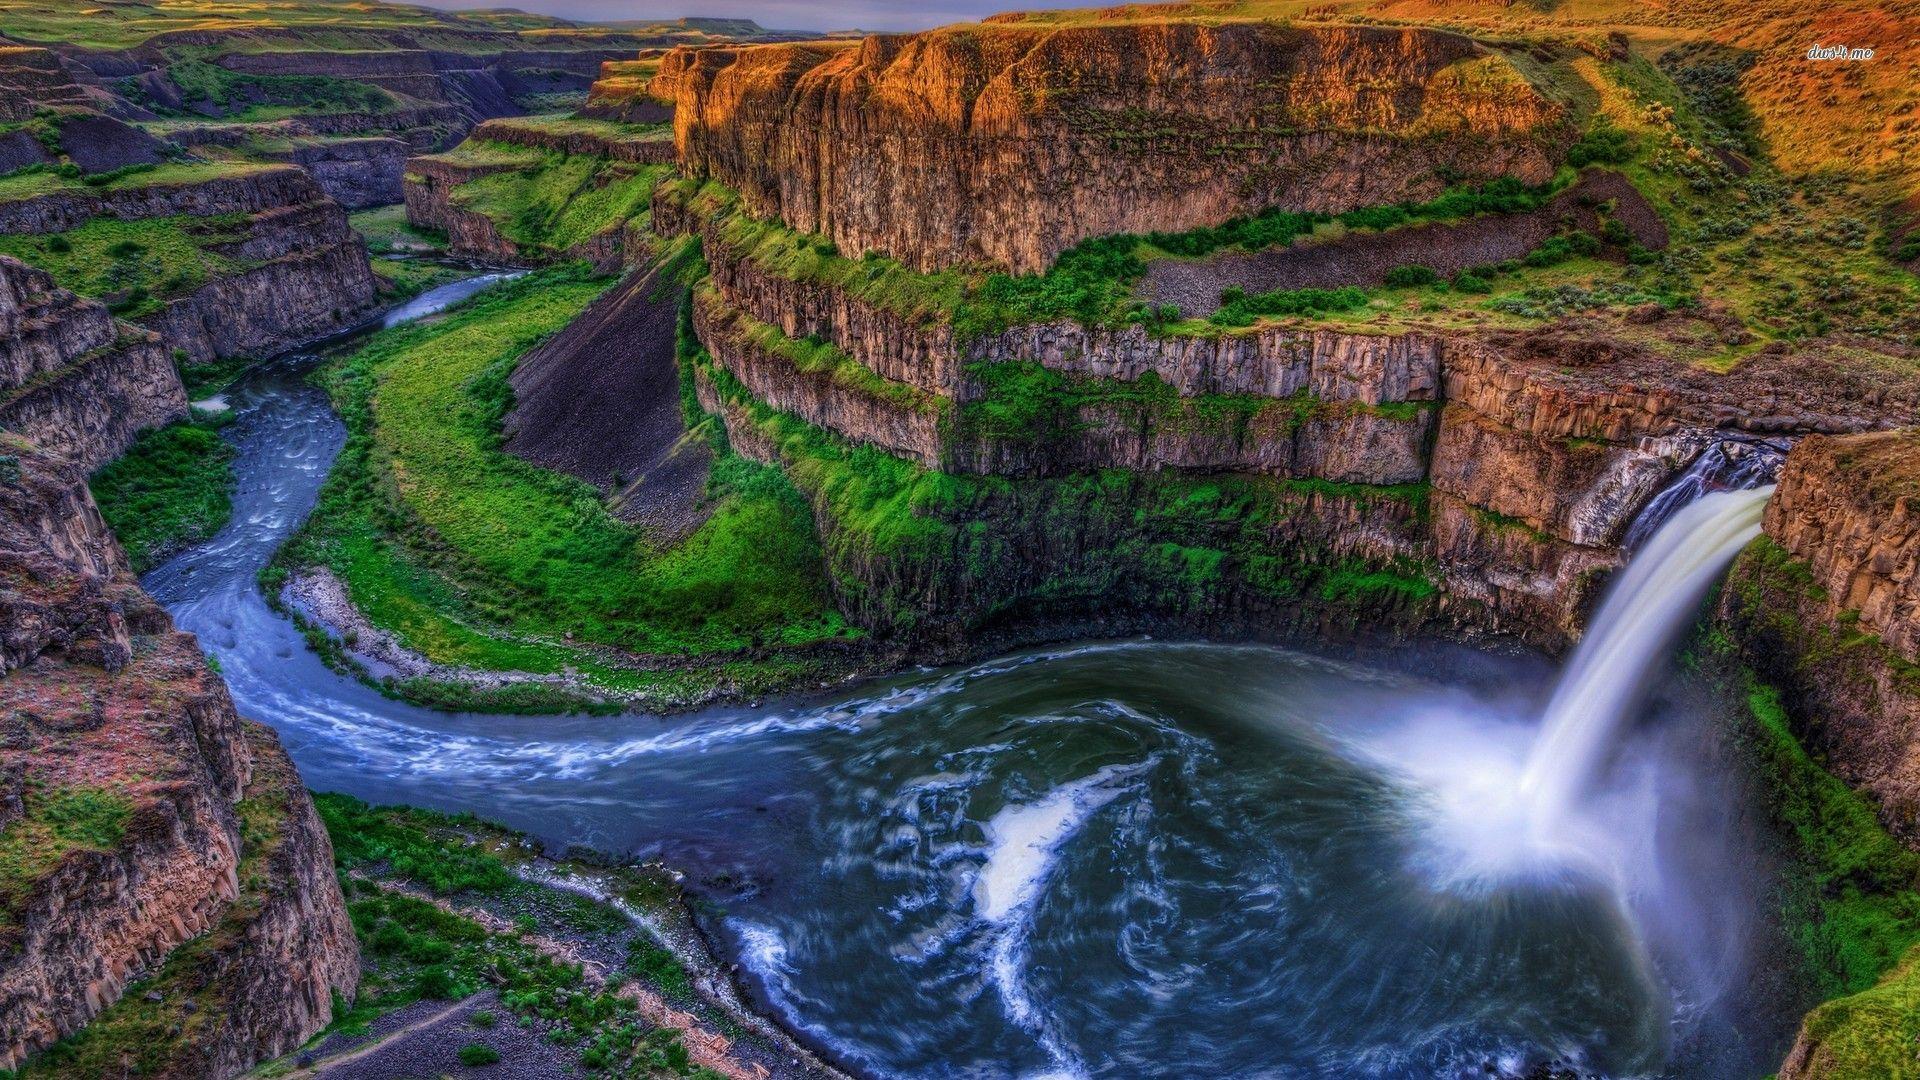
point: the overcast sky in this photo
(780, 14)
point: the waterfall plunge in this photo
(1645, 610)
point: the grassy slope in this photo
(552, 201)
(171, 489)
(134, 265)
(412, 950)
(53, 824)
(447, 540)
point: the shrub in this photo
(1468, 281)
(1604, 145)
(58, 244)
(474, 1055)
(1404, 277)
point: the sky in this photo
(779, 14)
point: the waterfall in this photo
(1726, 465)
(1645, 609)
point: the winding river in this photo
(1113, 859)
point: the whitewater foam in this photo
(1025, 844)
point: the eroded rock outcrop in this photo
(73, 379)
(1007, 144)
(300, 271)
(1827, 608)
(157, 835)
(356, 172)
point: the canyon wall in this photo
(1519, 460)
(1007, 144)
(1827, 608)
(73, 379)
(156, 836)
(356, 173)
(301, 271)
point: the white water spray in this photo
(1644, 611)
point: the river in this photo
(1114, 859)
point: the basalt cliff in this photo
(286, 268)
(168, 884)
(1006, 144)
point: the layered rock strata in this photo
(201, 866)
(651, 145)
(1827, 608)
(356, 173)
(73, 379)
(1530, 454)
(303, 271)
(1007, 144)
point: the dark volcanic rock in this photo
(601, 401)
(102, 144)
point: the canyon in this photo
(1349, 333)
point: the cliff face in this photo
(154, 835)
(1530, 454)
(581, 162)
(1827, 607)
(303, 271)
(1008, 144)
(356, 173)
(73, 379)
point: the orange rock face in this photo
(1006, 144)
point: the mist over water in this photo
(1121, 859)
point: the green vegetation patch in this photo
(414, 950)
(912, 548)
(1093, 281)
(387, 230)
(207, 89)
(32, 182)
(1851, 900)
(172, 489)
(136, 265)
(56, 823)
(478, 558)
(553, 201)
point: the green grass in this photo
(400, 279)
(56, 823)
(1093, 281)
(207, 88)
(1850, 904)
(413, 950)
(133, 265)
(386, 230)
(475, 557)
(559, 200)
(172, 489)
(29, 183)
